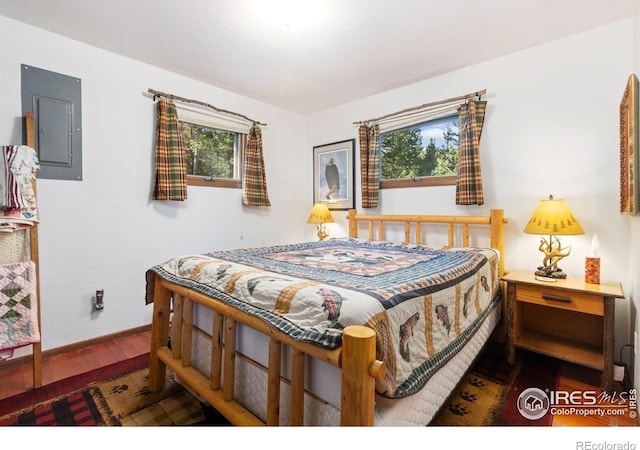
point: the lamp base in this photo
(322, 233)
(550, 272)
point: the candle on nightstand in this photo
(592, 264)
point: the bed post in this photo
(360, 369)
(496, 224)
(353, 224)
(497, 235)
(159, 335)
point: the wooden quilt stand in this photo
(34, 256)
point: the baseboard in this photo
(28, 359)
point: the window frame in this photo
(432, 180)
(193, 180)
(217, 122)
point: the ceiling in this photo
(348, 50)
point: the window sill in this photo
(448, 180)
(201, 181)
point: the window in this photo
(423, 154)
(214, 148)
(213, 155)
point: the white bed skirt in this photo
(323, 381)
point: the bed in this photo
(361, 330)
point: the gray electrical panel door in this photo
(56, 103)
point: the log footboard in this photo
(356, 358)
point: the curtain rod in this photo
(426, 105)
(188, 100)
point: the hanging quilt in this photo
(18, 165)
(18, 307)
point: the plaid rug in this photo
(116, 395)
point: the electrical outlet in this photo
(618, 372)
(99, 299)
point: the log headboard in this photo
(413, 227)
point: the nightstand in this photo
(567, 319)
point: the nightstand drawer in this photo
(563, 299)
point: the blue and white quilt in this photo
(424, 303)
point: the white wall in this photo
(104, 232)
(551, 128)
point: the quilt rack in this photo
(12, 241)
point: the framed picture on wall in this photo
(629, 200)
(333, 174)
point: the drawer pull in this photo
(556, 298)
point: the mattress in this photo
(322, 382)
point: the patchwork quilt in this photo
(18, 307)
(424, 303)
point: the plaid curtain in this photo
(469, 183)
(255, 184)
(369, 165)
(171, 164)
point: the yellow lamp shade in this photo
(320, 214)
(553, 217)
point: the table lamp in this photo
(320, 215)
(553, 218)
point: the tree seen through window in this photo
(210, 152)
(428, 149)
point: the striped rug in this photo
(116, 395)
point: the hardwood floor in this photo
(575, 378)
(19, 379)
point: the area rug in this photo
(488, 395)
(116, 395)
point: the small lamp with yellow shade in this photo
(320, 215)
(552, 217)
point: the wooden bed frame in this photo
(356, 358)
